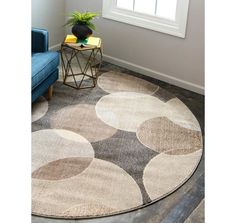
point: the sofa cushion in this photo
(43, 64)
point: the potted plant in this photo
(82, 27)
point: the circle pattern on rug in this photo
(127, 110)
(164, 136)
(112, 82)
(171, 170)
(82, 119)
(179, 113)
(112, 149)
(39, 109)
(62, 168)
(50, 145)
(102, 186)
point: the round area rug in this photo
(115, 148)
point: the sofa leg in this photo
(50, 89)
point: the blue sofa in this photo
(44, 64)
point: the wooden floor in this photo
(185, 205)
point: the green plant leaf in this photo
(85, 18)
(91, 26)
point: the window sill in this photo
(176, 28)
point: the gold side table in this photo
(74, 53)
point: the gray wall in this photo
(172, 59)
(50, 15)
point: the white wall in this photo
(168, 58)
(50, 15)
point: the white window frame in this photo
(175, 28)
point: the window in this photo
(167, 16)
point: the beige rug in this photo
(117, 147)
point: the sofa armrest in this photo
(39, 40)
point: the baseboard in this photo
(55, 47)
(154, 74)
